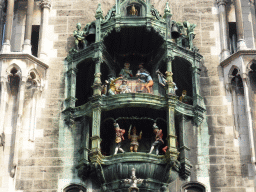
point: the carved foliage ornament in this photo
(45, 4)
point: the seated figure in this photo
(126, 72)
(124, 87)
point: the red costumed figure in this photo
(158, 139)
(119, 138)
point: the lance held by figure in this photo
(134, 139)
(119, 138)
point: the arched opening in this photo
(74, 188)
(84, 81)
(134, 45)
(193, 187)
(144, 121)
(182, 76)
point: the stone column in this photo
(249, 117)
(42, 48)
(183, 147)
(6, 48)
(168, 16)
(223, 29)
(97, 81)
(19, 125)
(239, 25)
(4, 100)
(1, 21)
(28, 27)
(171, 137)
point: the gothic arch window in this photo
(84, 81)
(75, 188)
(193, 187)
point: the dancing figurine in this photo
(134, 139)
(119, 138)
(158, 139)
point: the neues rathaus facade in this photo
(127, 95)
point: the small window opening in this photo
(35, 39)
(232, 37)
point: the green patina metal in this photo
(156, 170)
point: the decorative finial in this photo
(99, 12)
(167, 8)
(133, 181)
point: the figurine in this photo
(190, 32)
(112, 86)
(145, 77)
(126, 72)
(119, 138)
(80, 37)
(133, 11)
(124, 87)
(184, 98)
(163, 81)
(158, 140)
(141, 69)
(134, 139)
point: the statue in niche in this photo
(190, 32)
(184, 98)
(112, 86)
(80, 35)
(124, 87)
(163, 81)
(144, 77)
(133, 11)
(126, 72)
(158, 139)
(119, 138)
(134, 139)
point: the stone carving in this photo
(190, 33)
(119, 138)
(80, 35)
(126, 72)
(184, 98)
(45, 4)
(158, 139)
(2, 139)
(134, 139)
(133, 181)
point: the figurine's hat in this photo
(127, 64)
(155, 126)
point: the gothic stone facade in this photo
(39, 153)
